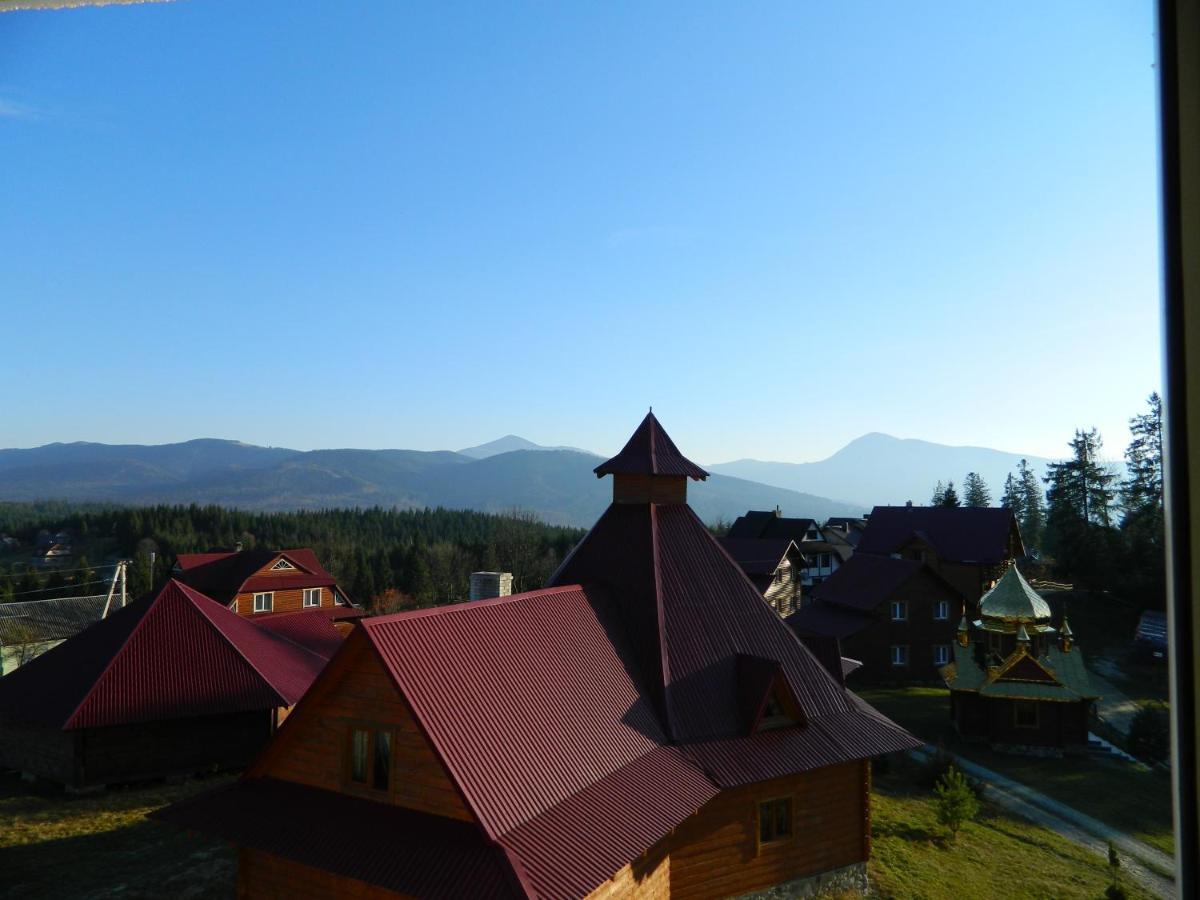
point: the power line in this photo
(65, 587)
(59, 571)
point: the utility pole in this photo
(118, 576)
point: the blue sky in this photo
(388, 225)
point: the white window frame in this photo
(941, 610)
(282, 565)
(899, 655)
(268, 605)
(902, 606)
(311, 592)
(941, 654)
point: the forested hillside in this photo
(383, 558)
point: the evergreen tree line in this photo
(383, 558)
(1090, 525)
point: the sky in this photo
(385, 224)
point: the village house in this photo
(646, 726)
(28, 628)
(1017, 682)
(773, 566)
(897, 617)
(822, 549)
(970, 547)
(171, 684)
(259, 581)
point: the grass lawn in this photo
(1125, 796)
(102, 845)
(995, 856)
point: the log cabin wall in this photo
(283, 601)
(716, 853)
(45, 752)
(265, 875)
(648, 878)
(313, 747)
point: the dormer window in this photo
(283, 566)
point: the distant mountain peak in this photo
(508, 444)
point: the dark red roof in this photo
(223, 576)
(864, 581)
(769, 524)
(958, 533)
(312, 629)
(757, 556)
(828, 620)
(650, 451)
(173, 655)
(415, 854)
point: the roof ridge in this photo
(447, 608)
(203, 611)
(669, 719)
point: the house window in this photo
(941, 610)
(899, 611)
(264, 602)
(941, 654)
(825, 561)
(282, 566)
(1025, 714)
(899, 655)
(312, 596)
(775, 820)
(370, 762)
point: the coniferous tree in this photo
(950, 497)
(1142, 497)
(1032, 520)
(975, 491)
(1014, 496)
(1079, 499)
(939, 494)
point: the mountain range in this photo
(509, 473)
(880, 469)
(556, 484)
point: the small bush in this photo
(956, 801)
(934, 770)
(1150, 732)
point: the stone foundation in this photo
(851, 878)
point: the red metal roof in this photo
(223, 576)
(312, 629)
(173, 655)
(864, 581)
(958, 533)
(758, 556)
(650, 451)
(415, 854)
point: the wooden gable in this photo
(355, 690)
(282, 564)
(1026, 668)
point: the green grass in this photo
(997, 855)
(103, 846)
(1126, 796)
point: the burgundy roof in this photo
(172, 655)
(223, 576)
(415, 854)
(312, 629)
(958, 533)
(828, 620)
(757, 556)
(650, 451)
(768, 524)
(864, 581)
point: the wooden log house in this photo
(645, 726)
(260, 582)
(171, 684)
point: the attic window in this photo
(369, 762)
(282, 566)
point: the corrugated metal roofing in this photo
(829, 620)
(650, 451)
(173, 655)
(757, 556)
(959, 533)
(222, 576)
(864, 582)
(30, 621)
(412, 853)
(312, 629)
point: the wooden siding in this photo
(716, 852)
(648, 878)
(649, 489)
(357, 691)
(265, 875)
(285, 601)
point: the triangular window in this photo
(282, 566)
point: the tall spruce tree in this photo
(1078, 524)
(1014, 496)
(950, 497)
(939, 494)
(1033, 509)
(1142, 526)
(975, 491)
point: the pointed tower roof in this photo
(1013, 599)
(650, 451)
(1022, 635)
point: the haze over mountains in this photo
(510, 473)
